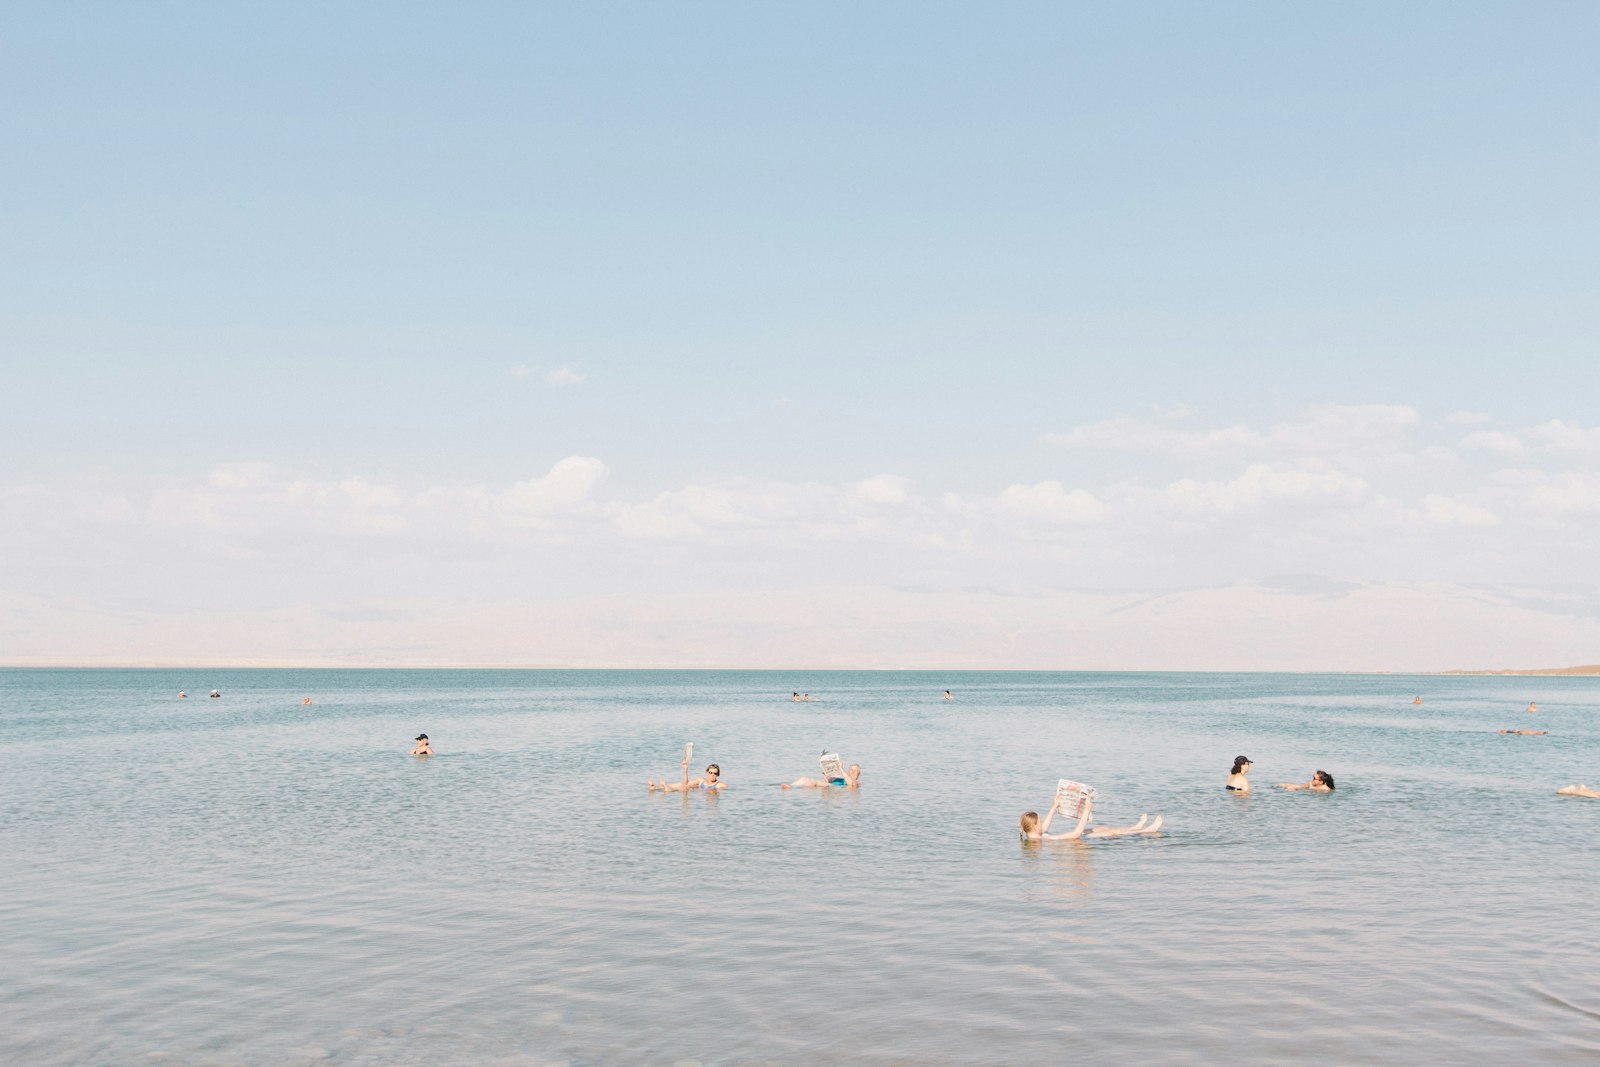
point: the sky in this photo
(1180, 336)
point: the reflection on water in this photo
(254, 880)
(1067, 867)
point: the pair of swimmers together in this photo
(1239, 782)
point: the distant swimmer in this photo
(711, 783)
(215, 694)
(1321, 782)
(1035, 830)
(424, 746)
(1525, 733)
(1578, 791)
(1418, 700)
(796, 697)
(1237, 782)
(182, 695)
(1532, 707)
(805, 697)
(947, 695)
(307, 700)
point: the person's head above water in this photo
(420, 737)
(713, 771)
(1030, 821)
(1323, 778)
(1239, 764)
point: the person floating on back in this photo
(711, 783)
(1578, 791)
(1530, 733)
(424, 746)
(1035, 830)
(833, 774)
(1321, 782)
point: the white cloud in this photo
(1554, 437)
(1448, 511)
(1495, 441)
(1560, 436)
(1340, 427)
(521, 370)
(1261, 483)
(1330, 428)
(884, 489)
(1124, 433)
(565, 376)
(1568, 493)
(564, 490)
(1052, 502)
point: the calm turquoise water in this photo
(251, 881)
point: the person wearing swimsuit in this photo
(711, 783)
(1034, 830)
(1237, 782)
(851, 780)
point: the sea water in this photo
(250, 880)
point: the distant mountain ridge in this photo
(1591, 668)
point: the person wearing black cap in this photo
(1237, 782)
(423, 747)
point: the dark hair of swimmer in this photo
(420, 737)
(1238, 763)
(1325, 778)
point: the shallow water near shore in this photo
(249, 880)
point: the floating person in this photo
(711, 783)
(1578, 791)
(215, 694)
(1526, 733)
(1237, 782)
(306, 701)
(1418, 700)
(182, 695)
(1532, 707)
(1083, 799)
(424, 746)
(833, 774)
(947, 695)
(796, 697)
(805, 697)
(1321, 782)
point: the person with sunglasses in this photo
(711, 783)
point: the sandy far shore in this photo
(1592, 668)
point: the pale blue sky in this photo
(802, 246)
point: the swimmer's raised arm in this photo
(1035, 829)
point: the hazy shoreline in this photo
(1586, 670)
(1583, 671)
